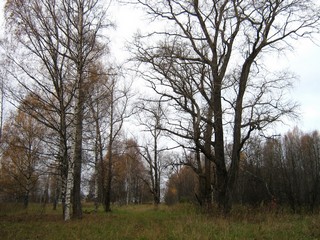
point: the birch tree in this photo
(208, 61)
(61, 39)
(86, 20)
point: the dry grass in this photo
(145, 222)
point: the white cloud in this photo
(305, 62)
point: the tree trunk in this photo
(207, 185)
(1, 106)
(231, 176)
(96, 187)
(26, 199)
(69, 185)
(156, 190)
(77, 153)
(221, 171)
(107, 200)
(98, 155)
(55, 198)
(63, 161)
(78, 121)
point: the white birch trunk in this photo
(70, 180)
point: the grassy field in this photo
(145, 222)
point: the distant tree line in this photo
(29, 173)
(276, 172)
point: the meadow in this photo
(145, 222)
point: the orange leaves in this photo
(22, 147)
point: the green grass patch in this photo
(146, 222)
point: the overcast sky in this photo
(304, 61)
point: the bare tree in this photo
(208, 61)
(86, 21)
(151, 117)
(119, 110)
(39, 33)
(96, 122)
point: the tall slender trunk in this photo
(96, 189)
(98, 155)
(77, 153)
(63, 184)
(107, 200)
(128, 183)
(156, 187)
(98, 159)
(63, 162)
(96, 181)
(78, 121)
(69, 185)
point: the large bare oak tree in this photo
(208, 60)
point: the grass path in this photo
(145, 222)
